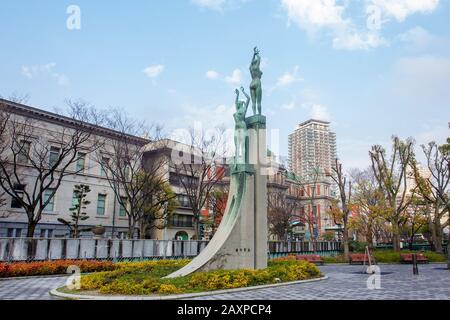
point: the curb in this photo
(44, 276)
(35, 277)
(58, 294)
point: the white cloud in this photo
(154, 71)
(289, 78)
(315, 110)
(27, 72)
(45, 70)
(423, 77)
(288, 106)
(438, 134)
(359, 41)
(211, 74)
(401, 9)
(235, 78)
(329, 17)
(319, 112)
(210, 4)
(217, 5)
(313, 14)
(418, 38)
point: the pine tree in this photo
(78, 213)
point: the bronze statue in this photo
(240, 133)
(255, 86)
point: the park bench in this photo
(360, 258)
(408, 258)
(313, 258)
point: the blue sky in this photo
(178, 62)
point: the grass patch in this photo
(389, 256)
(146, 278)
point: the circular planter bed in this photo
(146, 280)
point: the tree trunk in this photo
(448, 253)
(433, 234)
(142, 231)
(30, 229)
(130, 232)
(345, 243)
(395, 236)
(439, 236)
(411, 242)
(369, 237)
(197, 226)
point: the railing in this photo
(284, 248)
(26, 249)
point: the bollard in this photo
(415, 266)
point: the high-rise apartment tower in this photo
(312, 146)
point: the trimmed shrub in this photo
(146, 278)
(25, 269)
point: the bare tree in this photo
(160, 206)
(33, 164)
(281, 212)
(217, 203)
(433, 189)
(309, 185)
(391, 175)
(370, 203)
(415, 218)
(4, 120)
(140, 186)
(345, 191)
(199, 171)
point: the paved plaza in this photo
(345, 283)
(349, 283)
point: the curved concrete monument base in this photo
(241, 239)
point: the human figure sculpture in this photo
(255, 86)
(240, 133)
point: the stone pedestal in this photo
(241, 239)
(258, 157)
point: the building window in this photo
(14, 232)
(51, 204)
(181, 221)
(121, 235)
(81, 162)
(123, 205)
(101, 204)
(46, 233)
(53, 156)
(19, 190)
(102, 166)
(183, 200)
(23, 151)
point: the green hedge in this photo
(390, 256)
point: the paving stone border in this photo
(59, 294)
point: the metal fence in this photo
(284, 248)
(27, 249)
(24, 249)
